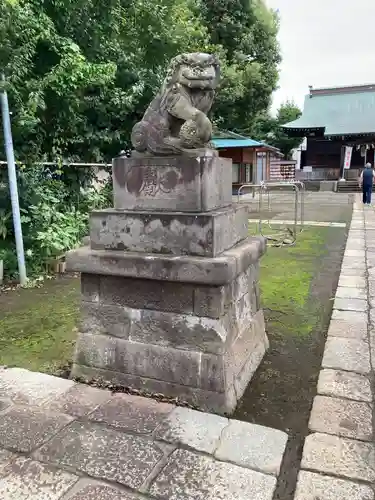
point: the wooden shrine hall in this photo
(332, 119)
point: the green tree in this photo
(247, 32)
(267, 128)
(81, 72)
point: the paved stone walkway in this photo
(306, 223)
(338, 460)
(60, 440)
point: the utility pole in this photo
(13, 184)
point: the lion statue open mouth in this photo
(176, 120)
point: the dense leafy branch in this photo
(81, 72)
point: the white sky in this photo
(324, 43)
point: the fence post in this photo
(13, 184)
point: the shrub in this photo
(55, 203)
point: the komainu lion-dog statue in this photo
(176, 120)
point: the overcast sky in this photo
(324, 43)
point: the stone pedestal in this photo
(170, 294)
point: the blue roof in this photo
(235, 143)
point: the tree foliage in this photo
(80, 73)
(247, 30)
(268, 128)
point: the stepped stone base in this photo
(170, 293)
(196, 342)
(172, 183)
(177, 233)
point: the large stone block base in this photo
(199, 342)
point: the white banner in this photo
(348, 157)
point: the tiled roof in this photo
(340, 111)
(235, 143)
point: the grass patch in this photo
(285, 279)
(37, 326)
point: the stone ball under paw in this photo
(193, 136)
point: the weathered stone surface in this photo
(353, 263)
(87, 489)
(350, 304)
(207, 234)
(350, 316)
(371, 287)
(200, 431)
(176, 121)
(244, 356)
(352, 281)
(25, 479)
(132, 413)
(346, 385)
(341, 417)
(79, 400)
(206, 400)
(189, 476)
(97, 318)
(6, 457)
(340, 328)
(175, 183)
(147, 294)
(103, 453)
(339, 456)
(253, 446)
(4, 404)
(351, 293)
(211, 301)
(25, 428)
(353, 271)
(179, 331)
(360, 254)
(347, 355)
(161, 348)
(90, 287)
(144, 360)
(23, 386)
(186, 269)
(312, 486)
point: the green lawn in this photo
(286, 277)
(37, 326)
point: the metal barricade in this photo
(289, 235)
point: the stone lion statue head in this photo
(195, 70)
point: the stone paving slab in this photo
(340, 451)
(339, 328)
(26, 387)
(351, 293)
(84, 443)
(193, 429)
(188, 476)
(339, 456)
(78, 400)
(25, 479)
(350, 316)
(312, 486)
(347, 354)
(24, 428)
(103, 453)
(252, 446)
(350, 304)
(355, 280)
(348, 385)
(341, 417)
(132, 413)
(92, 490)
